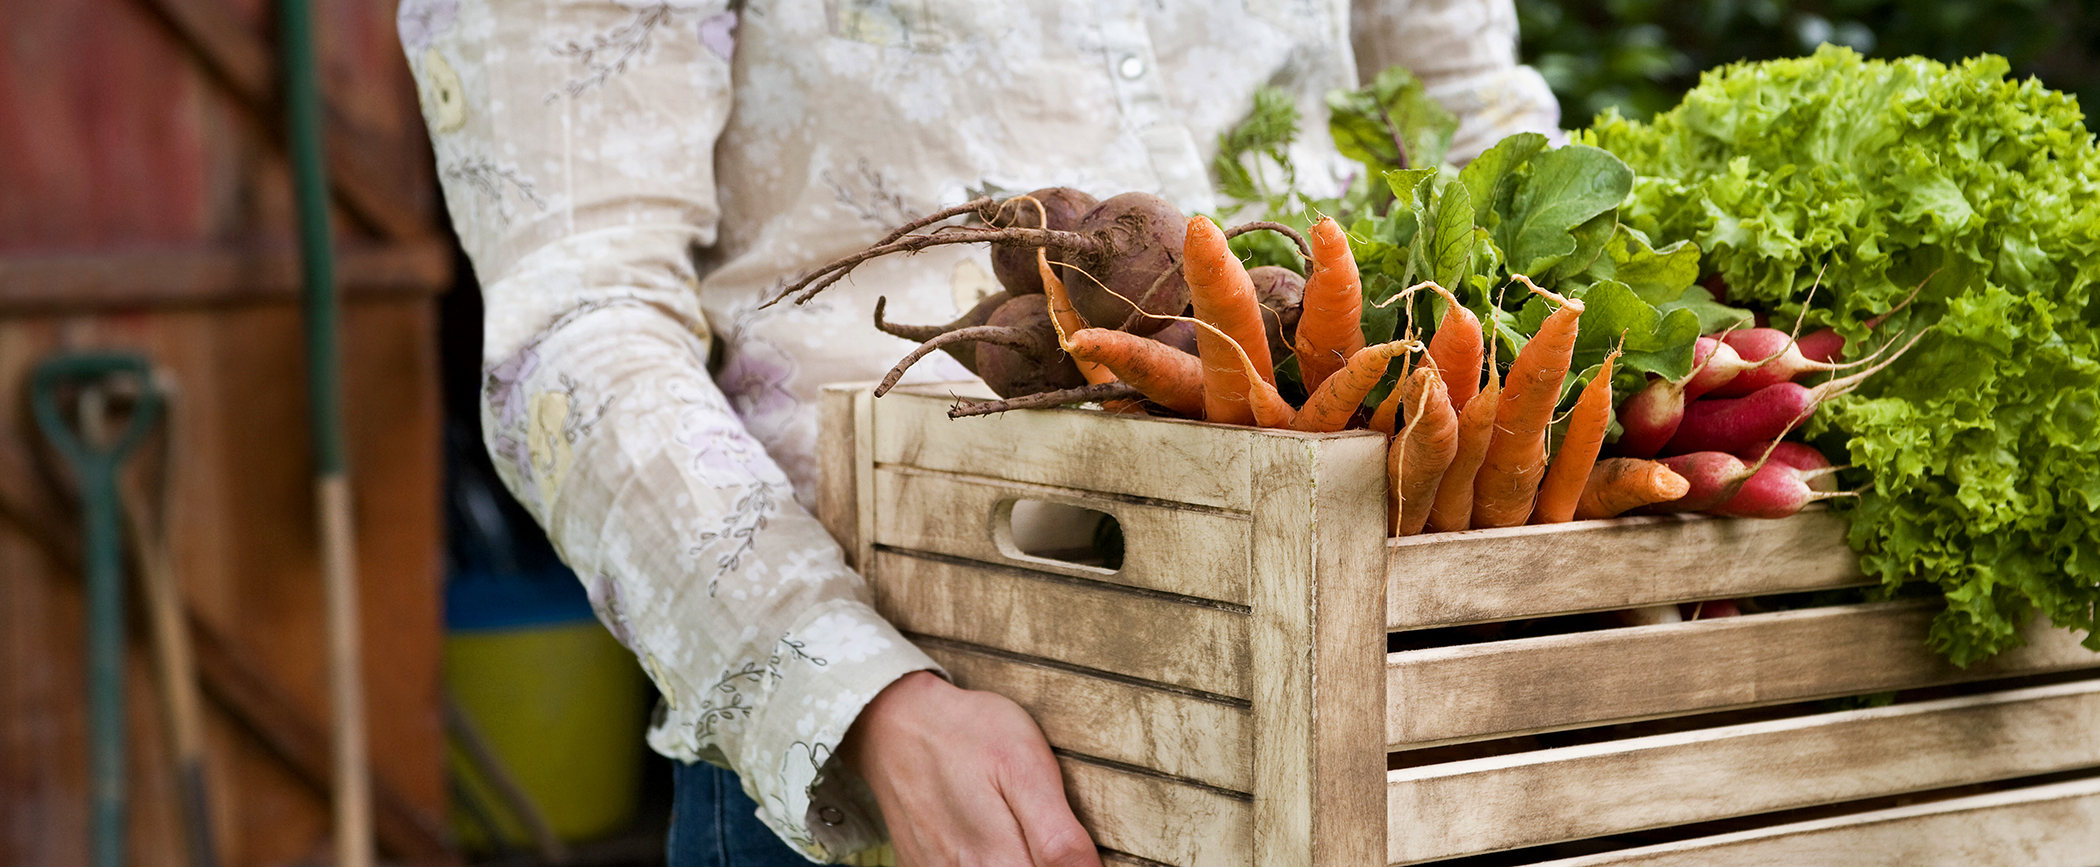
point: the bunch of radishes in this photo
(1721, 427)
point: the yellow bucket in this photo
(563, 706)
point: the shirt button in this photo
(1132, 66)
(831, 816)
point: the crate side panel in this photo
(1319, 548)
(1163, 459)
(838, 494)
(1549, 796)
(1617, 675)
(1126, 632)
(1174, 733)
(2055, 825)
(1485, 575)
(1186, 550)
(1157, 818)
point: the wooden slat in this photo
(1159, 819)
(247, 65)
(1164, 459)
(205, 276)
(2056, 825)
(1177, 549)
(838, 495)
(1173, 733)
(1616, 675)
(1484, 575)
(1548, 796)
(1127, 632)
(1319, 517)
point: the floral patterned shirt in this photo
(633, 178)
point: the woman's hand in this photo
(964, 778)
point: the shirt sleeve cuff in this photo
(829, 665)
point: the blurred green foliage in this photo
(1642, 55)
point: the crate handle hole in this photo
(1059, 532)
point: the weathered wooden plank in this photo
(1164, 459)
(1159, 819)
(206, 276)
(1474, 691)
(1548, 796)
(1484, 575)
(862, 555)
(1319, 515)
(1176, 549)
(1175, 733)
(838, 492)
(2056, 825)
(1133, 633)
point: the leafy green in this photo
(1391, 124)
(1262, 140)
(1868, 179)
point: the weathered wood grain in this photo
(1483, 575)
(1615, 675)
(1319, 515)
(1159, 819)
(838, 486)
(1164, 459)
(1171, 732)
(1548, 796)
(209, 275)
(967, 517)
(1132, 633)
(2055, 825)
(862, 554)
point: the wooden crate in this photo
(1227, 697)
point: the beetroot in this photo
(1135, 268)
(1011, 368)
(1014, 263)
(1180, 335)
(963, 353)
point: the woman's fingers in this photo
(964, 778)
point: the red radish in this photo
(1650, 417)
(1771, 356)
(1710, 609)
(1714, 364)
(1825, 345)
(1775, 491)
(1809, 464)
(1714, 478)
(1737, 424)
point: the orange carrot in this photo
(1386, 417)
(1570, 470)
(1617, 485)
(1453, 509)
(1508, 481)
(1223, 297)
(1457, 347)
(1166, 375)
(1418, 459)
(1264, 403)
(1066, 319)
(1330, 408)
(1330, 328)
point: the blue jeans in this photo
(714, 824)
